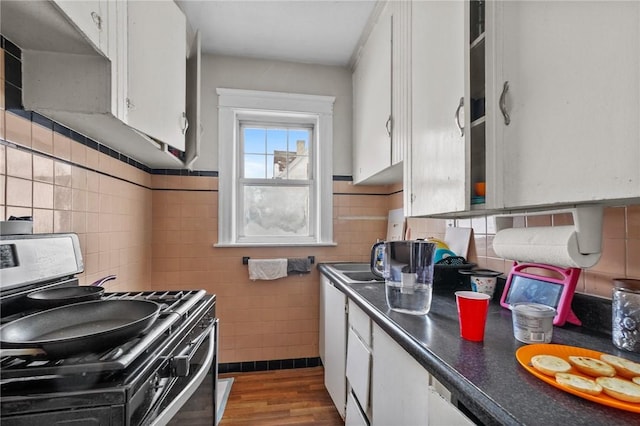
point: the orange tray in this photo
(525, 353)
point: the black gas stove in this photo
(144, 380)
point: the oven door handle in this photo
(172, 409)
(180, 363)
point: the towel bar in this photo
(245, 259)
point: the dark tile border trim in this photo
(51, 157)
(373, 194)
(184, 172)
(278, 364)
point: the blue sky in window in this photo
(260, 144)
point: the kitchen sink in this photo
(362, 276)
(362, 267)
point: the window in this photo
(276, 183)
(275, 179)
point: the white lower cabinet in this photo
(355, 416)
(441, 411)
(371, 379)
(333, 342)
(358, 365)
(400, 386)
(403, 393)
(358, 369)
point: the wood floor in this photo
(280, 397)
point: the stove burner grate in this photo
(176, 307)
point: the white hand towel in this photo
(267, 269)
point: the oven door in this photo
(196, 369)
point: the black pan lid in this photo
(480, 272)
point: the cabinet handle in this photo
(185, 126)
(97, 19)
(387, 125)
(460, 106)
(503, 103)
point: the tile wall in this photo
(68, 187)
(261, 320)
(157, 231)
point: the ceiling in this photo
(325, 32)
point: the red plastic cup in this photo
(472, 314)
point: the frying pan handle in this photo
(103, 280)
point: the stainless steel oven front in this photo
(151, 379)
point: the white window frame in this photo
(236, 105)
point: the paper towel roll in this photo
(557, 245)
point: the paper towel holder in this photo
(587, 221)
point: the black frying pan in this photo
(85, 327)
(54, 297)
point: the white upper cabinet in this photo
(156, 71)
(372, 120)
(112, 70)
(90, 17)
(573, 100)
(551, 105)
(382, 98)
(435, 172)
(194, 84)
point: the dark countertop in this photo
(485, 378)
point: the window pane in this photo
(300, 135)
(276, 140)
(276, 211)
(286, 149)
(255, 166)
(254, 140)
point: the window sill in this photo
(321, 244)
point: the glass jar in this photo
(625, 307)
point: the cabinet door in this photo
(323, 318)
(358, 369)
(156, 70)
(360, 322)
(443, 413)
(372, 103)
(194, 132)
(437, 158)
(573, 98)
(355, 416)
(335, 343)
(89, 16)
(399, 385)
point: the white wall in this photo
(276, 76)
